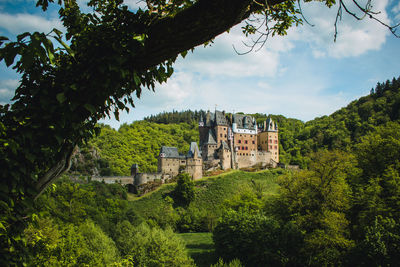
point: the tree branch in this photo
(193, 26)
(63, 164)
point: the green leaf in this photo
(69, 50)
(136, 78)
(90, 108)
(49, 49)
(184, 53)
(140, 37)
(9, 54)
(61, 97)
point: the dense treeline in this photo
(186, 116)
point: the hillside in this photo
(140, 142)
(344, 128)
(209, 199)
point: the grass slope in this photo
(211, 192)
(200, 248)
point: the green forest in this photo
(341, 209)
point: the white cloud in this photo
(354, 37)
(7, 89)
(18, 23)
(220, 59)
(174, 94)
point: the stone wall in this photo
(194, 167)
(142, 178)
(209, 151)
(252, 158)
(225, 159)
(114, 179)
(170, 165)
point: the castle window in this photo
(220, 135)
(245, 141)
(253, 142)
(242, 147)
(276, 147)
(224, 129)
(276, 141)
(270, 147)
(225, 135)
(239, 141)
(270, 140)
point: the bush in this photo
(155, 247)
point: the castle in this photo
(231, 141)
(237, 141)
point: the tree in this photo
(257, 240)
(183, 192)
(317, 201)
(113, 53)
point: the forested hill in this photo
(344, 128)
(141, 141)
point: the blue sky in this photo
(302, 75)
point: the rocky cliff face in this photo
(88, 162)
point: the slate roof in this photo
(193, 149)
(224, 145)
(220, 118)
(213, 119)
(210, 138)
(244, 121)
(170, 152)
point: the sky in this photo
(302, 75)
